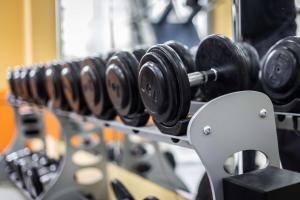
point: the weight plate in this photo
(252, 59)
(184, 54)
(187, 59)
(164, 85)
(122, 87)
(11, 82)
(38, 84)
(17, 80)
(220, 53)
(54, 87)
(92, 79)
(70, 76)
(139, 53)
(280, 71)
(120, 79)
(27, 94)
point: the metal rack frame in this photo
(228, 124)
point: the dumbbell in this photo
(38, 85)
(281, 71)
(27, 93)
(32, 170)
(17, 81)
(165, 85)
(122, 88)
(38, 173)
(73, 92)
(92, 81)
(15, 164)
(11, 82)
(54, 87)
(10, 158)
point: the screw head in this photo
(207, 130)
(263, 113)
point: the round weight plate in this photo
(37, 84)
(220, 53)
(187, 59)
(70, 75)
(280, 71)
(11, 82)
(27, 94)
(92, 79)
(252, 59)
(139, 53)
(54, 86)
(120, 83)
(164, 85)
(184, 55)
(17, 80)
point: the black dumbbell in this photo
(38, 85)
(92, 79)
(17, 81)
(11, 82)
(27, 93)
(54, 87)
(10, 158)
(165, 85)
(39, 172)
(33, 183)
(73, 92)
(122, 88)
(281, 71)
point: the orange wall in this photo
(27, 36)
(11, 36)
(7, 121)
(221, 18)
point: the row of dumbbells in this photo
(31, 171)
(160, 81)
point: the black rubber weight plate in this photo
(164, 85)
(253, 65)
(222, 54)
(184, 54)
(280, 71)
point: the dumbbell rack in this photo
(18, 143)
(226, 125)
(64, 185)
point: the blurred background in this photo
(38, 31)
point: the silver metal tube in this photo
(236, 19)
(198, 78)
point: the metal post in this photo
(236, 19)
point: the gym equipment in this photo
(92, 81)
(254, 185)
(165, 85)
(70, 76)
(38, 85)
(25, 85)
(11, 82)
(17, 82)
(122, 193)
(121, 83)
(280, 72)
(31, 171)
(54, 86)
(146, 159)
